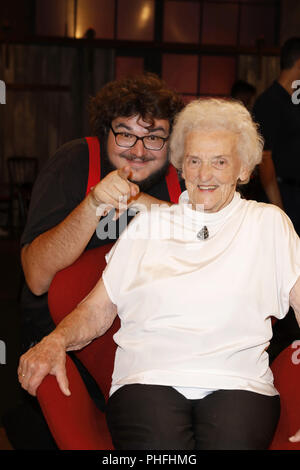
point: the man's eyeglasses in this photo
(150, 142)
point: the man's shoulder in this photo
(69, 165)
(70, 157)
(76, 148)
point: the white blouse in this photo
(197, 313)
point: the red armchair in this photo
(75, 421)
(287, 381)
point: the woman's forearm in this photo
(90, 319)
(87, 322)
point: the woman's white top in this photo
(197, 313)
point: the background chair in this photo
(75, 421)
(22, 172)
(5, 209)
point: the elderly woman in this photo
(195, 286)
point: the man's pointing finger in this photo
(124, 172)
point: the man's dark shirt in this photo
(279, 120)
(60, 187)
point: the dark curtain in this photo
(47, 91)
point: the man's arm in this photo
(295, 303)
(91, 319)
(268, 179)
(266, 114)
(60, 246)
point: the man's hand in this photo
(47, 357)
(295, 437)
(114, 190)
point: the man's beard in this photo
(153, 178)
(146, 183)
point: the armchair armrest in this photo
(75, 422)
(286, 373)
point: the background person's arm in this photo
(91, 319)
(268, 179)
(265, 113)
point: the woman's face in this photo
(211, 168)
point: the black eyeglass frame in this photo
(138, 138)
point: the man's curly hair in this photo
(143, 95)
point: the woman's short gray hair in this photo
(210, 114)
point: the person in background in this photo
(195, 295)
(263, 184)
(278, 116)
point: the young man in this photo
(126, 159)
(131, 120)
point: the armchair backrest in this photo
(67, 289)
(286, 368)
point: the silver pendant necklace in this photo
(203, 234)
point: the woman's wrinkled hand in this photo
(295, 437)
(46, 357)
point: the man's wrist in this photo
(93, 199)
(99, 207)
